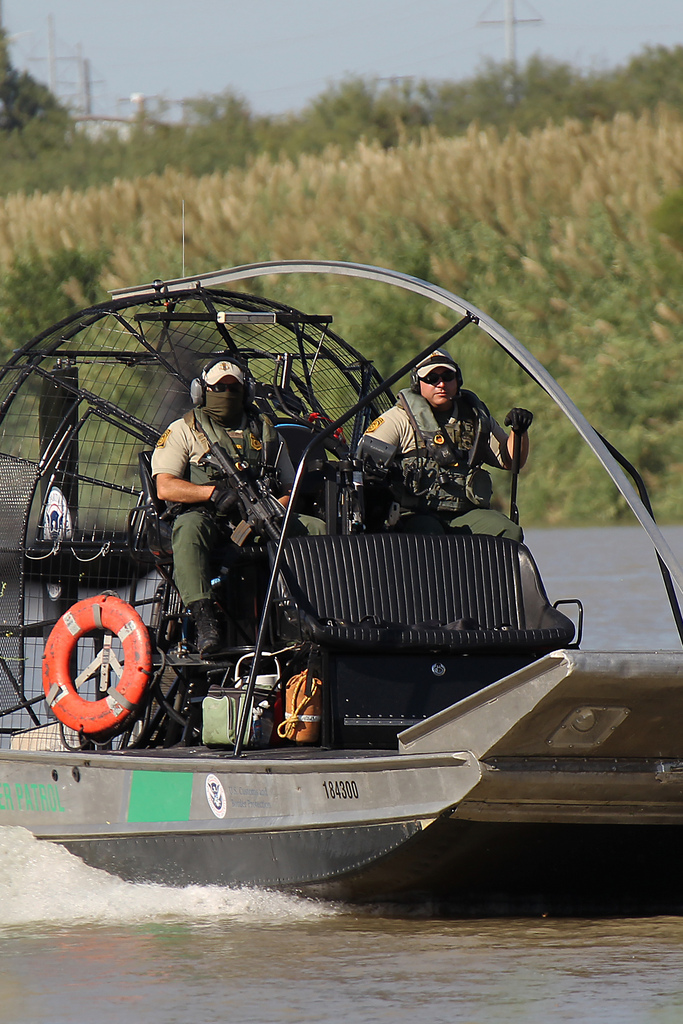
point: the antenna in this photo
(183, 225)
(510, 22)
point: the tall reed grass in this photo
(364, 201)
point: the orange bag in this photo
(303, 709)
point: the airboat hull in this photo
(552, 788)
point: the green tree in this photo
(222, 131)
(38, 291)
(543, 90)
(358, 108)
(655, 76)
(22, 99)
(33, 126)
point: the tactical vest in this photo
(257, 445)
(444, 471)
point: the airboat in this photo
(353, 740)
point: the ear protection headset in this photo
(198, 386)
(415, 380)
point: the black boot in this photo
(208, 635)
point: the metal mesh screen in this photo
(77, 405)
(17, 483)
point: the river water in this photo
(77, 945)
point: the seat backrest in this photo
(417, 579)
(311, 494)
(297, 437)
(147, 530)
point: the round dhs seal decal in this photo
(57, 523)
(215, 794)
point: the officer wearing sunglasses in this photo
(440, 436)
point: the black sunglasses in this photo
(435, 377)
(233, 387)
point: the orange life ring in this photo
(106, 716)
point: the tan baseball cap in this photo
(438, 360)
(223, 369)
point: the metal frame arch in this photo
(502, 337)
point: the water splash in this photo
(41, 882)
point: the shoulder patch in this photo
(375, 424)
(255, 443)
(164, 438)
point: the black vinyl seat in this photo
(386, 591)
(149, 530)
(297, 437)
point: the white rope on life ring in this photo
(106, 716)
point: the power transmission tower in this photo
(77, 94)
(511, 22)
(51, 55)
(84, 83)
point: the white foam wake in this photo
(43, 883)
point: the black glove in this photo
(223, 499)
(520, 420)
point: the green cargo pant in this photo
(197, 534)
(477, 520)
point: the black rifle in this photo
(261, 512)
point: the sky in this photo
(279, 54)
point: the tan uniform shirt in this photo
(394, 428)
(179, 445)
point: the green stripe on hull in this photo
(160, 796)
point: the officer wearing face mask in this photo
(224, 415)
(441, 437)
